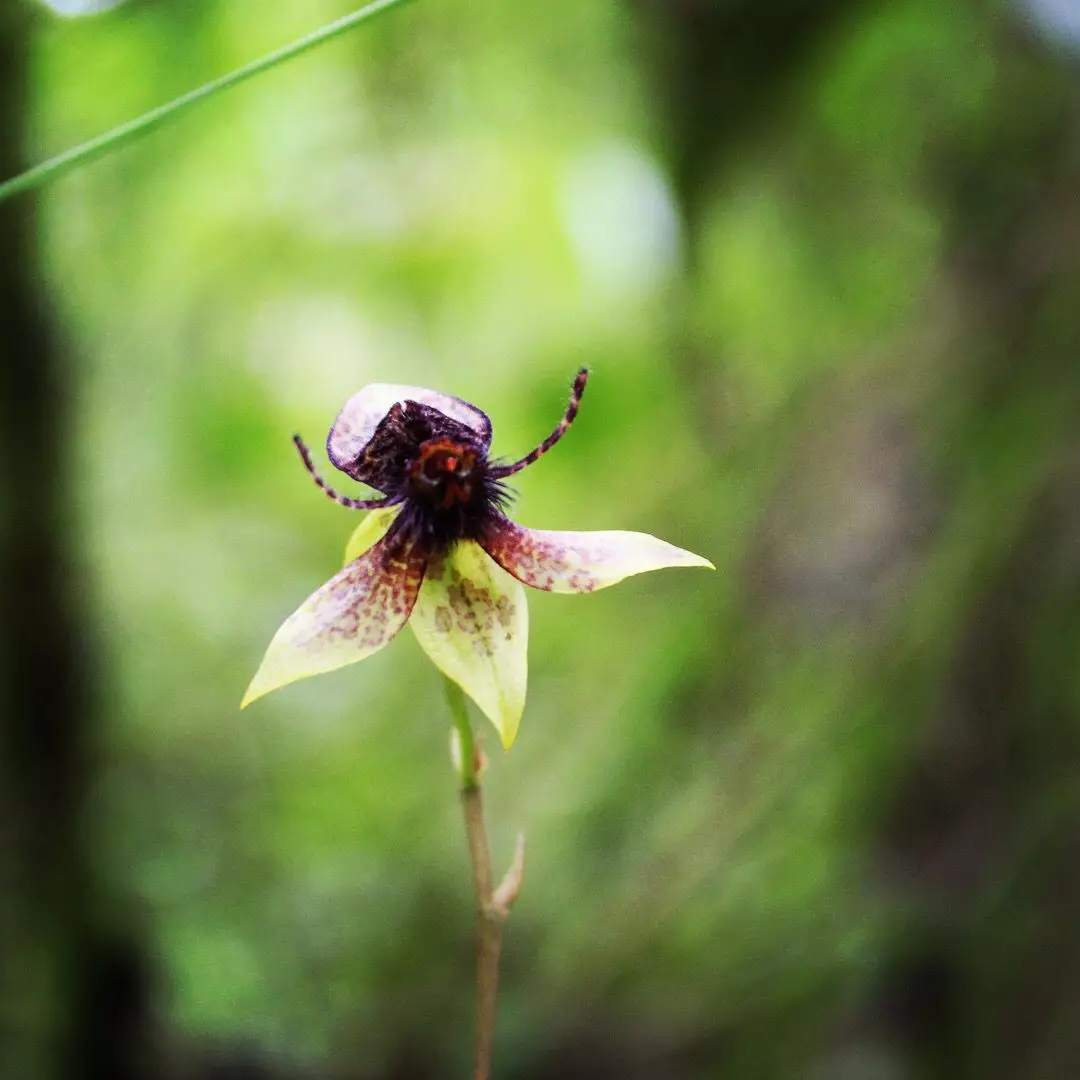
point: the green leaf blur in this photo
(831, 325)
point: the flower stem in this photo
(492, 905)
(141, 125)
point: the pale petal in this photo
(366, 409)
(581, 562)
(352, 616)
(369, 532)
(472, 620)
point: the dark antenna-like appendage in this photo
(341, 500)
(501, 471)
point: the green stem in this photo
(492, 905)
(468, 771)
(133, 129)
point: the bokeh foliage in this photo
(845, 377)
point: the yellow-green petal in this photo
(352, 616)
(472, 620)
(369, 532)
(582, 562)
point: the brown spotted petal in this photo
(367, 408)
(581, 562)
(352, 616)
(472, 621)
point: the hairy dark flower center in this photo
(444, 474)
(428, 457)
(449, 494)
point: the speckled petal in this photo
(371, 530)
(582, 562)
(472, 620)
(364, 411)
(352, 616)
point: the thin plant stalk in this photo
(492, 904)
(127, 132)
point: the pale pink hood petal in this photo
(366, 409)
(352, 616)
(581, 562)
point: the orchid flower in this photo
(439, 553)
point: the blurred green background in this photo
(815, 815)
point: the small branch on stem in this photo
(492, 905)
(502, 899)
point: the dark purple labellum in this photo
(427, 453)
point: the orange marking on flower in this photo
(442, 472)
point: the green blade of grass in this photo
(125, 133)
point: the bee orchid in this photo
(437, 551)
